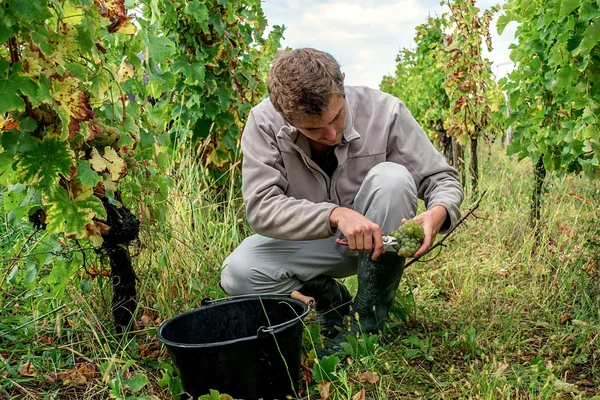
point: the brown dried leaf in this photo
(103, 228)
(370, 377)
(566, 318)
(27, 369)
(112, 9)
(361, 395)
(79, 376)
(325, 390)
(47, 340)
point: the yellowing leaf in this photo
(128, 29)
(125, 71)
(70, 216)
(109, 162)
(72, 16)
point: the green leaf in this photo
(86, 174)
(70, 216)
(136, 383)
(567, 7)
(36, 10)
(59, 278)
(197, 10)
(12, 89)
(42, 165)
(160, 48)
(324, 369)
(590, 40)
(6, 171)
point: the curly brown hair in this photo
(302, 81)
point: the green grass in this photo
(497, 315)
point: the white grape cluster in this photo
(410, 236)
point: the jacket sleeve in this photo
(437, 182)
(270, 212)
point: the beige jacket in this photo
(287, 196)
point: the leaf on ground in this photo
(370, 377)
(361, 395)
(136, 383)
(27, 369)
(325, 390)
(566, 318)
(78, 376)
(502, 368)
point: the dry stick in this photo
(459, 222)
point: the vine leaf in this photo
(109, 162)
(70, 216)
(590, 39)
(42, 165)
(160, 48)
(9, 93)
(86, 174)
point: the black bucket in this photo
(246, 346)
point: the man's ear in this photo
(343, 75)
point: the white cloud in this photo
(365, 35)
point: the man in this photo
(323, 161)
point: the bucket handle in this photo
(264, 331)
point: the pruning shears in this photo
(389, 242)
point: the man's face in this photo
(327, 129)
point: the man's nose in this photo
(330, 133)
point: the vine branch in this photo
(440, 242)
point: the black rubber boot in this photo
(378, 282)
(333, 303)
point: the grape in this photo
(410, 237)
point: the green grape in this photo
(410, 236)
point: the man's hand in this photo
(362, 234)
(431, 221)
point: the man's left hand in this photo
(431, 221)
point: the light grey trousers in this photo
(265, 265)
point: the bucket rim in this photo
(235, 299)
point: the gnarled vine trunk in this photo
(458, 160)
(124, 228)
(539, 173)
(474, 168)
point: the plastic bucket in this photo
(246, 346)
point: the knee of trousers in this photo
(241, 275)
(392, 178)
(387, 195)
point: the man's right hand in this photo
(362, 234)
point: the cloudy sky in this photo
(366, 35)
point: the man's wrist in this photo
(334, 218)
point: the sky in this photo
(365, 36)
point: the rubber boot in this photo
(378, 282)
(332, 303)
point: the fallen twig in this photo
(458, 223)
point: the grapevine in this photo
(410, 237)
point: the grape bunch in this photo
(410, 236)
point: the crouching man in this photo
(322, 161)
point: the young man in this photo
(323, 160)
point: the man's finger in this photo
(378, 246)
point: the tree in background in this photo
(468, 79)
(554, 92)
(448, 85)
(418, 81)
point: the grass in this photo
(498, 314)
